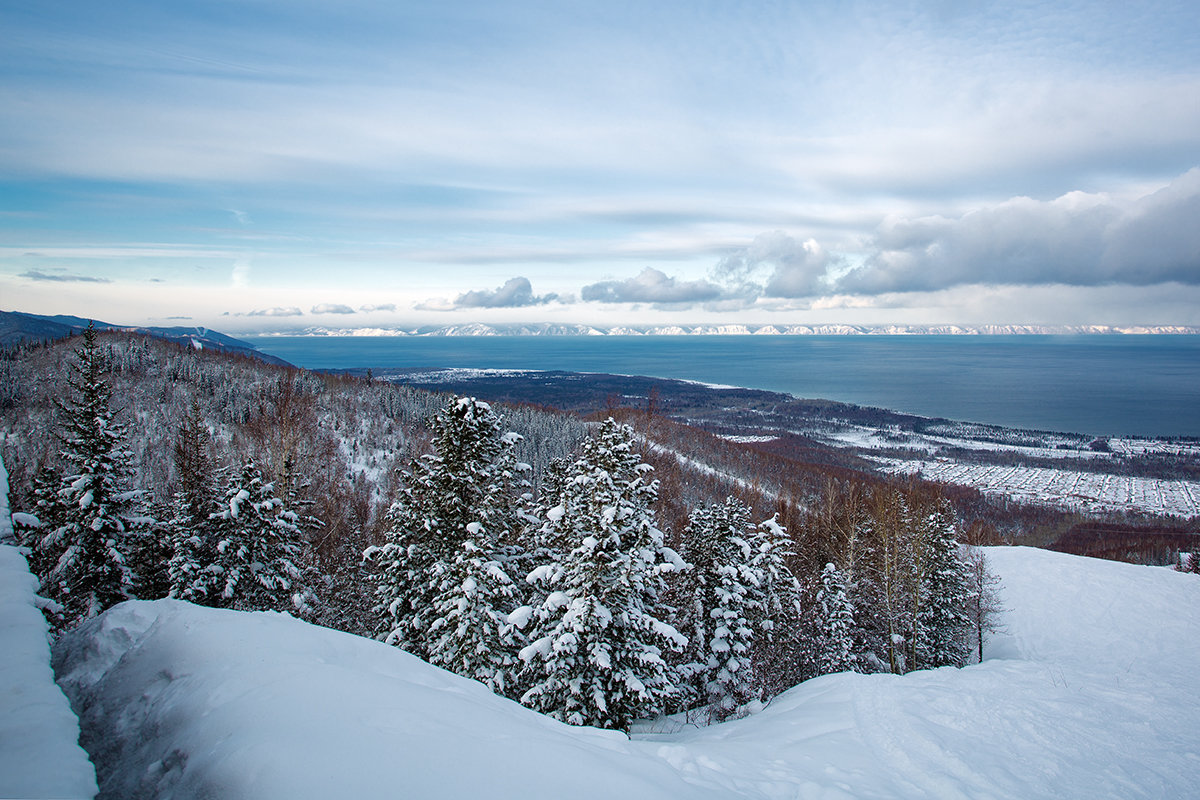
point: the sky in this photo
(270, 165)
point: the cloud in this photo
(652, 286)
(332, 308)
(1077, 239)
(798, 268)
(64, 277)
(515, 293)
(379, 307)
(290, 311)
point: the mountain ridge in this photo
(580, 329)
(17, 327)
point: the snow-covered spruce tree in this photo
(596, 651)
(42, 540)
(87, 552)
(941, 622)
(723, 594)
(833, 624)
(441, 577)
(257, 545)
(193, 531)
(779, 652)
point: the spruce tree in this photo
(834, 624)
(96, 511)
(724, 594)
(192, 529)
(778, 610)
(441, 577)
(596, 655)
(258, 543)
(941, 625)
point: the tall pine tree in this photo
(941, 624)
(86, 554)
(193, 530)
(833, 626)
(258, 544)
(724, 596)
(596, 655)
(441, 577)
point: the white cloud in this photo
(797, 268)
(1077, 239)
(515, 293)
(331, 308)
(652, 286)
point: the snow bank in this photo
(184, 701)
(1091, 693)
(39, 751)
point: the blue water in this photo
(1101, 385)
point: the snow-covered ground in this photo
(1091, 693)
(1085, 491)
(40, 754)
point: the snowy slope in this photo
(1090, 694)
(195, 702)
(39, 751)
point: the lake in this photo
(1101, 385)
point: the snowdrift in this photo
(40, 754)
(1091, 693)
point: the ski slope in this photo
(1091, 693)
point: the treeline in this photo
(533, 560)
(1136, 544)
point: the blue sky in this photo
(278, 165)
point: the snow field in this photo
(1090, 693)
(40, 754)
(1066, 488)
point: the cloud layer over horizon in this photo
(770, 163)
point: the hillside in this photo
(1089, 694)
(17, 327)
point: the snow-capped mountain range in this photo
(553, 329)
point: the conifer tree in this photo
(777, 610)
(441, 577)
(724, 595)
(43, 541)
(193, 531)
(596, 655)
(258, 543)
(96, 512)
(941, 624)
(834, 624)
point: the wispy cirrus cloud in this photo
(63, 277)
